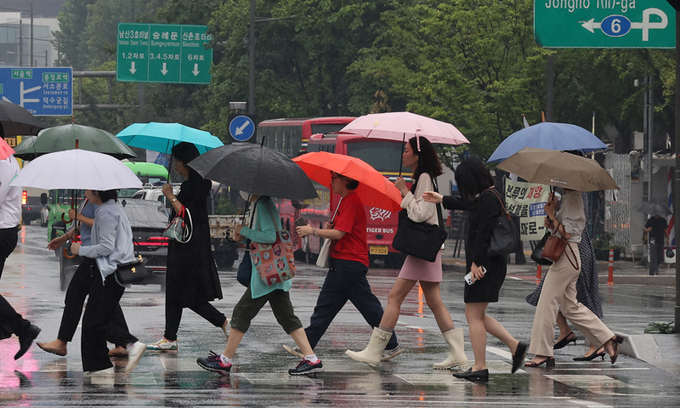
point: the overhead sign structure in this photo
(41, 91)
(241, 128)
(604, 23)
(164, 53)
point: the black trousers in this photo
(173, 316)
(98, 315)
(11, 322)
(117, 331)
(8, 241)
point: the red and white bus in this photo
(290, 136)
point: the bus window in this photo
(327, 127)
(383, 156)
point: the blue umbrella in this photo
(550, 136)
(162, 137)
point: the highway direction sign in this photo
(41, 91)
(241, 128)
(166, 53)
(604, 24)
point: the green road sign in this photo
(604, 23)
(166, 53)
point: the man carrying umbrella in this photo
(657, 228)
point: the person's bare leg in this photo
(302, 342)
(235, 337)
(434, 302)
(474, 313)
(58, 345)
(494, 328)
(562, 324)
(397, 295)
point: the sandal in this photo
(549, 362)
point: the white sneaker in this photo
(295, 350)
(107, 372)
(101, 377)
(226, 327)
(135, 352)
(163, 345)
(388, 355)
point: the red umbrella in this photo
(374, 189)
(5, 149)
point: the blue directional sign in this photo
(41, 91)
(241, 128)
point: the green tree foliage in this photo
(71, 38)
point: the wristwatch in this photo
(173, 200)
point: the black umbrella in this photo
(256, 170)
(652, 208)
(15, 120)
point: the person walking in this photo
(264, 222)
(12, 322)
(346, 278)
(110, 245)
(478, 197)
(10, 209)
(559, 288)
(191, 278)
(657, 228)
(587, 292)
(126, 345)
(419, 156)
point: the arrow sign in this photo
(132, 67)
(618, 25)
(239, 129)
(164, 70)
(195, 71)
(242, 128)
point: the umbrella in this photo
(402, 125)
(162, 137)
(255, 169)
(652, 208)
(559, 169)
(5, 149)
(15, 120)
(26, 143)
(87, 171)
(67, 137)
(550, 136)
(374, 189)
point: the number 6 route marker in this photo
(618, 26)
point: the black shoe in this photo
(480, 375)
(26, 339)
(563, 343)
(214, 363)
(305, 367)
(592, 356)
(518, 357)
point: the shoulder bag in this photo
(537, 253)
(181, 227)
(131, 272)
(420, 239)
(555, 246)
(505, 238)
(274, 262)
(323, 260)
(245, 268)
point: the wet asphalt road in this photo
(30, 283)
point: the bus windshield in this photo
(327, 127)
(383, 156)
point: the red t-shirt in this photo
(351, 219)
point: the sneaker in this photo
(226, 327)
(388, 355)
(305, 367)
(214, 363)
(163, 345)
(135, 352)
(107, 372)
(295, 350)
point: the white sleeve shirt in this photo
(10, 196)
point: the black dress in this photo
(482, 215)
(192, 275)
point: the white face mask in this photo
(244, 195)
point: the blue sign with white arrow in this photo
(41, 91)
(241, 128)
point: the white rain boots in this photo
(373, 352)
(457, 355)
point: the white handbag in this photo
(323, 260)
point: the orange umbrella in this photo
(374, 189)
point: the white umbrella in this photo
(76, 169)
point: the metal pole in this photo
(251, 44)
(32, 35)
(550, 86)
(676, 190)
(21, 44)
(650, 130)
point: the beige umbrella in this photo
(559, 169)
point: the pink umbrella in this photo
(5, 149)
(405, 125)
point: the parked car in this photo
(148, 220)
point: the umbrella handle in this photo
(67, 252)
(63, 218)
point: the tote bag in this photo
(274, 262)
(323, 260)
(181, 227)
(505, 238)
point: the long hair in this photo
(186, 152)
(472, 177)
(428, 162)
(108, 195)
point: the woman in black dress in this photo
(475, 184)
(191, 279)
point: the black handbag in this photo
(505, 238)
(420, 239)
(131, 272)
(537, 253)
(245, 270)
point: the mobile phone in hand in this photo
(468, 277)
(300, 222)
